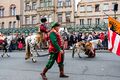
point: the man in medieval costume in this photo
(55, 50)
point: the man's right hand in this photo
(61, 51)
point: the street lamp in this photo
(18, 19)
(115, 9)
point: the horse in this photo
(31, 42)
(10, 38)
(88, 48)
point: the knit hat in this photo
(54, 24)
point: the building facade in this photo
(54, 10)
(65, 11)
(27, 13)
(8, 11)
(96, 11)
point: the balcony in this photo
(45, 9)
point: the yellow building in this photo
(96, 11)
(8, 11)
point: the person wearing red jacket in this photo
(43, 26)
(102, 36)
(44, 30)
(55, 50)
(1, 38)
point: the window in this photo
(1, 11)
(34, 5)
(81, 21)
(12, 10)
(68, 3)
(46, 3)
(97, 8)
(51, 2)
(97, 21)
(27, 6)
(60, 3)
(50, 18)
(68, 16)
(59, 17)
(106, 7)
(82, 8)
(89, 0)
(10, 24)
(27, 20)
(2, 25)
(89, 8)
(34, 19)
(113, 6)
(41, 4)
(42, 0)
(89, 21)
(14, 24)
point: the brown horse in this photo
(85, 47)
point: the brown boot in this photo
(62, 75)
(43, 74)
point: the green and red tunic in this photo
(55, 46)
(56, 43)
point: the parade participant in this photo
(55, 50)
(43, 26)
(44, 30)
(3, 42)
(2, 37)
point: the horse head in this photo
(88, 45)
(39, 37)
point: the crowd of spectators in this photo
(74, 37)
(69, 39)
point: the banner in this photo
(113, 36)
(114, 25)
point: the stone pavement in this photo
(105, 66)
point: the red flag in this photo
(113, 37)
(114, 42)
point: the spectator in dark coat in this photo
(79, 37)
(73, 39)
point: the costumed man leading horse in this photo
(55, 50)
